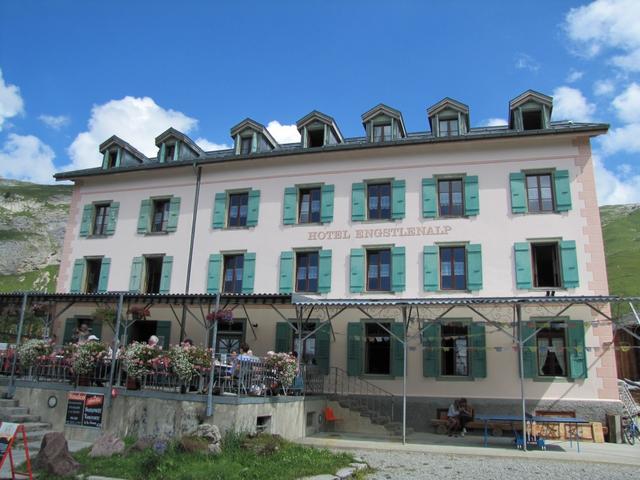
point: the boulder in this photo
(214, 449)
(107, 446)
(209, 432)
(54, 456)
(191, 444)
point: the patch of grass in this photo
(621, 232)
(13, 235)
(27, 190)
(40, 280)
(288, 461)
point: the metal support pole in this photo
(521, 362)
(300, 347)
(114, 350)
(12, 381)
(213, 356)
(404, 376)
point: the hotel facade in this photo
(453, 212)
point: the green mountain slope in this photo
(621, 231)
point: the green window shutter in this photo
(143, 218)
(429, 198)
(522, 257)
(323, 348)
(77, 276)
(70, 326)
(397, 269)
(569, 260)
(163, 332)
(518, 192)
(167, 267)
(87, 218)
(248, 272)
(174, 214)
(430, 268)
(477, 342)
(96, 328)
(397, 199)
(114, 208)
(562, 190)
(163, 152)
(577, 354)
(324, 274)
(431, 344)
(135, 281)
(529, 352)
(397, 349)
(253, 208)
(105, 160)
(286, 272)
(213, 273)
(358, 202)
(284, 337)
(326, 205)
(219, 210)
(355, 341)
(474, 267)
(103, 282)
(290, 209)
(471, 198)
(356, 276)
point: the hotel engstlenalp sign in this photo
(386, 232)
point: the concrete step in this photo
(35, 426)
(5, 402)
(20, 418)
(13, 411)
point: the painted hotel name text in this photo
(379, 232)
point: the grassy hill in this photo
(621, 230)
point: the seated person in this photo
(458, 415)
(453, 421)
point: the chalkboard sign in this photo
(84, 409)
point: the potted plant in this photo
(221, 315)
(283, 367)
(85, 358)
(137, 363)
(32, 351)
(139, 312)
(39, 309)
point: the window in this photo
(101, 219)
(153, 274)
(309, 206)
(379, 201)
(448, 128)
(450, 198)
(382, 132)
(230, 336)
(238, 207)
(93, 275)
(112, 159)
(160, 215)
(531, 119)
(552, 361)
(539, 193)
(315, 137)
(307, 272)
(377, 350)
(169, 152)
(379, 270)
(455, 352)
(546, 267)
(245, 145)
(308, 351)
(233, 267)
(453, 268)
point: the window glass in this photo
(230, 335)
(308, 351)
(453, 268)
(546, 268)
(448, 128)
(113, 158)
(101, 219)
(307, 272)
(552, 361)
(379, 270)
(450, 197)
(160, 215)
(377, 358)
(382, 132)
(539, 193)
(455, 352)
(309, 208)
(379, 200)
(245, 145)
(93, 275)
(233, 266)
(153, 270)
(238, 207)
(315, 137)
(169, 151)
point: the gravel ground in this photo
(400, 465)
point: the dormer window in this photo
(530, 111)
(383, 124)
(169, 152)
(112, 158)
(176, 146)
(315, 137)
(448, 127)
(382, 132)
(251, 137)
(448, 118)
(531, 120)
(318, 130)
(245, 145)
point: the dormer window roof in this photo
(383, 124)
(116, 152)
(448, 118)
(174, 146)
(318, 130)
(252, 137)
(530, 110)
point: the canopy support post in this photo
(213, 357)
(518, 309)
(114, 351)
(12, 382)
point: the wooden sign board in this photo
(85, 409)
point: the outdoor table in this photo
(574, 421)
(500, 418)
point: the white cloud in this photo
(55, 122)
(574, 76)
(622, 139)
(25, 157)
(495, 122)
(208, 146)
(11, 103)
(627, 104)
(613, 190)
(570, 104)
(283, 133)
(603, 87)
(135, 120)
(526, 62)
(607, 24)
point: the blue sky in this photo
(73, 73)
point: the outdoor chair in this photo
(330, 418)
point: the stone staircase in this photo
(375, 416)
(11, 411)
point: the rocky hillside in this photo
(32, 223)
(33, 218)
